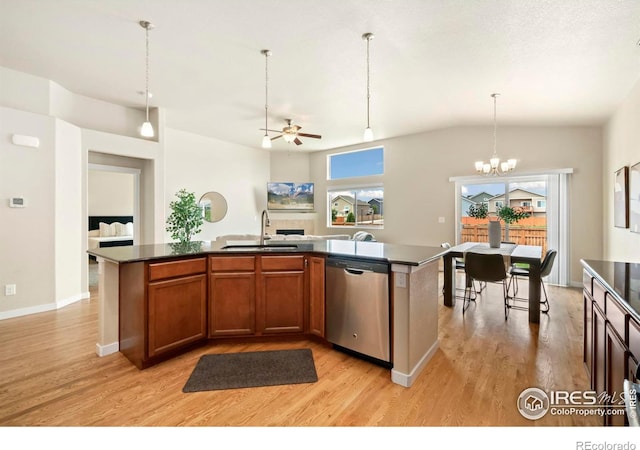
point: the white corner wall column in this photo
(415, 319)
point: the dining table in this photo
(513, 253)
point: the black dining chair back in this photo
(488, 268)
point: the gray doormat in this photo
(252, 369)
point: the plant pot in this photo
(495, 232)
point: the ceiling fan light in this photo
(368, 134)
(266, 142)
(289, 137)
(147, 130)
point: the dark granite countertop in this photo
(619, 277)
(413, 255)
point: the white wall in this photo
(200, 164)
(621, 148)
(110, 193)
(69, 254)
(27, 234)
(418, 167)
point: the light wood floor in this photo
(51, 376)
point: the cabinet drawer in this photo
(587, 281)
(295, 262)
(598, 294)
(228, 263)
(170, 269)
(634, 338)
(616, 316)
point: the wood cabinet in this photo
(257, 295)
(169, 305)
(316, 296)
(611, 345)
(232, 299)
(281, 300)
(163, 308)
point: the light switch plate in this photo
(401, 280)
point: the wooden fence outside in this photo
(521, 235)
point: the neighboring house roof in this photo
(349, 199)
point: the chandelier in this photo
(494, 166)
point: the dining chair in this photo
(460, 266)
(522, 270)
(488, 268)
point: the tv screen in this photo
(283, 196)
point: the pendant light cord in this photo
(368, 82)
(266, 90)
(147, 70)
(495, 126)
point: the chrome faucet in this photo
(263, 224)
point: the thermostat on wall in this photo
(16, 202)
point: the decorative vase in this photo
(495, 232)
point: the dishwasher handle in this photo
(353, 271)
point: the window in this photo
(541, 204)
(360, 163)
(359, 207)
(352, 204)
(525, 204)
(499, 204)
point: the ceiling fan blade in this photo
(268, 129)
(315, 136)
(274, 138)
(297, 141)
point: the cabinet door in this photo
(232, 306)
(316, 296)
(616, 369)
(177, 313)
(598, 346)
(587, 333)
(282, 302)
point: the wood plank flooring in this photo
(51, 376)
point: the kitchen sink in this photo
(274, 247)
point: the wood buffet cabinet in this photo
(168, 306)
(611, 334)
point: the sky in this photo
(357, 164)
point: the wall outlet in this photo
(10, 289)
(440, 219)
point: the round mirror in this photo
(214, 207)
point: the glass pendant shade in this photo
(147, 129)
(266, 142)
(368, 134)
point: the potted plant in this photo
(185, 219)
(508, 214)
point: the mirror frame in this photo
(218, 206)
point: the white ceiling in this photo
(434, 63)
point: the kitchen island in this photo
(158, 300)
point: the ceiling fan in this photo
(291, 133)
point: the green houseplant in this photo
(185, 219)
(508, 214)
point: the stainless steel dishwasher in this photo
(357, 302)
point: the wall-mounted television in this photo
(287, 196)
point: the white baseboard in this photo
(104, 350)
(407, 380)
(43, 308)
(27, 311)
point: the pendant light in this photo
(494, 166)
(368, 133)
(147, 129)
(266, 142)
